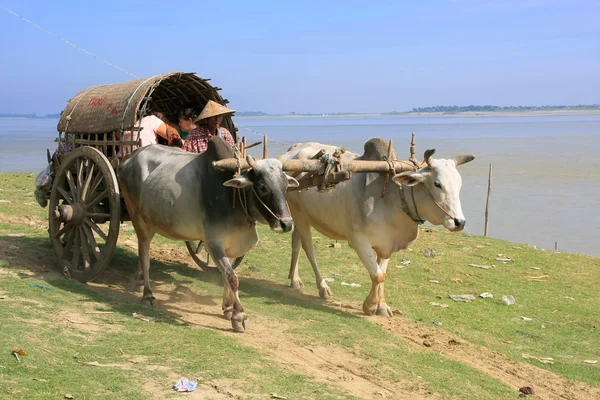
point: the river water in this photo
(546, 180)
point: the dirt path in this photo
(330, 365)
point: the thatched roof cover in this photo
(113, 107)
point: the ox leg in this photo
(382, 308)
(309, 249)
(239, 319)
(375, 301)
(227, 299)
(144, 236)
(296, 282)
(144, 254)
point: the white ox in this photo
(374, 227)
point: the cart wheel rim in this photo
(84, 213)
(200, 257)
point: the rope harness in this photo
(243, 199)
(417, 218)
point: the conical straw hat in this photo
(213, 108)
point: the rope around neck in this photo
(418, 218)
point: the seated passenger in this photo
(186, 121)
(152, 128)
(210, 125)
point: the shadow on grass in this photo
(119, 291)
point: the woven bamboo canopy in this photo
(115, 107)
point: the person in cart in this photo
(209, 125)
(152, 129)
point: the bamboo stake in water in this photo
(487, 203)
(265, 147)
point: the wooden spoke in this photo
(65, 195)
(62, 230)
(95, 228)
(85, 252)
(88, 180)
(92, 241)
(68, 243)
(97, 215)
(79, 177)
(97, 182)
(97, 199)
(71, 185)
(76, 250)
(199, 247)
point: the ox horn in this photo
(463, 159)
(427, 156)
(251, 161)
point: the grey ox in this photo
(374, 227)
(181, 196)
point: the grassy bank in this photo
(82, 339)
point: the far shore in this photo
(466, 114)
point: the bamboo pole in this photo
(244, 146)
(413, 150)
(265, 147)
(487, 203)
(314, 166)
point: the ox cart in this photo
(85, 205)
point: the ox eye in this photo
(437, 184)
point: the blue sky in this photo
(310, 56)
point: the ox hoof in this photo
(297, 284)
(369, 308)
(240, 322)
(149, 301)
(228, 314)
(383, 310)
(325, 292)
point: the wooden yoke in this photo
(314, 166)
(325, 171)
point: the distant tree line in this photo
(29, 116)
(250, 113)
(457, 109)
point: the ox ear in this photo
(238, 182)
(409, 178)
(291, 181)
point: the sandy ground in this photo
(333, 366)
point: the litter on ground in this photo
(486, 295)
(480, 266)
(40, 286)
(143, 317)
(508, 300)
(543, 360)
(351, 284)
(466, 298)
(185, 385)
(443, 305)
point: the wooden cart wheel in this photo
(84, 215)
(202, 260)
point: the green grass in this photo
(564, 329)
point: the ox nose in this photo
(286, 224)
(459, 223)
